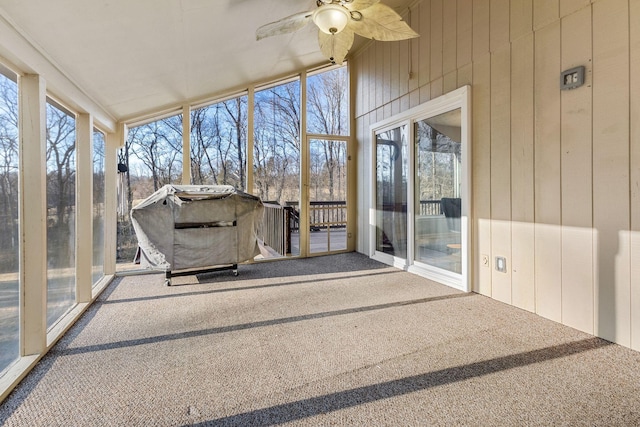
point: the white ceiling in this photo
(134, 57)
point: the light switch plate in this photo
(485, 260)
(501, 264)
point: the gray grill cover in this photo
(191, 226)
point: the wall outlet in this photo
(501, 264)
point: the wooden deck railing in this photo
(280, 221)
(430, 207)
(275, 230)
(322, 215)
(427, 207)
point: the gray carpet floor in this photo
(334, 340)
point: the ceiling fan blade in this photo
(360, 4)
(380, 22)
(335, 46)
(286, 25)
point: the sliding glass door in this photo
(438, 205)
(421, 186)
(391, 191)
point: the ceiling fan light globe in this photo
(331, 18)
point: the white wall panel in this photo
(424, 43)
(522, 173)
(394, 63)
(465, 75)
(521, 22)
(576, 159)
(523, 265)
(499, 33)
(481, 172)
(357, 76)
(403, 67)
(378, 87)
(480, 25)
(464, 27)
(449, 36)
(436, 39)
(500, 171)
(545, 12)
(386, 72)
(548, 247)
(611, 169)
(414, 48)
(425, 93)
(634, 92)
(437, 87)
(569, 6)
(450, 82)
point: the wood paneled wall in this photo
(556, 174)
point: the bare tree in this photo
(237, 112)
(98, 172)
(9, 237)
(158, 145)
(61, 177)
(173, 149)
(218, 143)
(199, 155)
(277, 142)
(327, 103)
(61, 150)
(438, 157)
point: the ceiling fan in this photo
(339, 20)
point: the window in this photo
(9, 221)
(328, 114)
(328, 102)
(438, 189)
(153, 158)
(392, 171)
(98, 206)
(327, 195)
(61, 211)
(276, 162)
(219, 143)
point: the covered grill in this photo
(182, 227)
